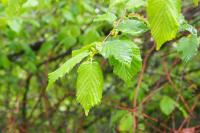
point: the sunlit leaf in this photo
(66, 67)
(163, 17)
(89, 85)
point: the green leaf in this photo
(116, 116)
(167, 105)
(124, 56)
(3, 21)
(30, 3)
(126, 4)
(185, 114)
(188, 27)
(46, 46)
(188, 47)
(91, 35)
(89, 85)
(126, 123)
(125, 72)
(196, 2)
(132, 27)
(184, 26)
(84, 48)
(163, 17)
(134, 4)
(13, 7)
(108, 17)
(87, 6)
(15, 24)
(121, 50)
(66, 68)
(4, 61)
(114, 3)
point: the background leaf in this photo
(167, 105)
(126, 123)
(108, 17)
(30, 3)
(132, 27)
(188, 47)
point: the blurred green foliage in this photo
(39, 36)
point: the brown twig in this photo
(174, 85)
(135, 92)
(192, 109)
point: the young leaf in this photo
(188, 47)
(124, 56)
(66, 68)
(126, 123)
(84, 48)
(109, 17)
(167, 105)
(117, 116)
(125, 72)
(184, 26)
(121, 50)
(90, 35)
(89, 85)
(189, 28)
(132, 27)
(163, 18)
(134, 4)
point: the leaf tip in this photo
(158, 47)
(86, 112)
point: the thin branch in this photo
(135, 92)
(174, 86)
(24, 102)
